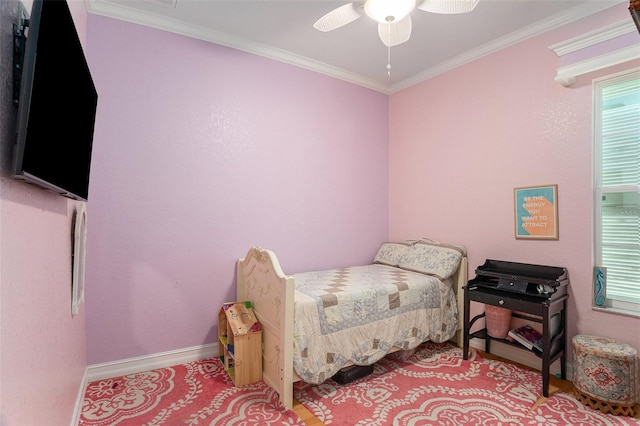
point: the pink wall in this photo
(461, 142)
(201, 152)
(42, 347)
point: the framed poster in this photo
(536, 210)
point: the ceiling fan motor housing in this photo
(386, 11)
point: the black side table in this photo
(530, 308)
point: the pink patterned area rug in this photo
(433, 386)
(196, 393)
(563, 409)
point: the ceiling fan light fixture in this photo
(448, 6)
(386, 11)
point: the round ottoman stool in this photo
(604, 374)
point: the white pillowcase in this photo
(432, 258)
(391, 253)
(424, 256)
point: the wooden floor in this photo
(555, 385)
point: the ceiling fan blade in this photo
(339, 17)
(448, 6)
(395, 33)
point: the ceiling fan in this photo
(393, 16)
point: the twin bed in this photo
(315, 323)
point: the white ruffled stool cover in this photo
(604, 374)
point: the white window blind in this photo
(617, 187)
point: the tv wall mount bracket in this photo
(19, 42)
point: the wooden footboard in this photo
(260, 280)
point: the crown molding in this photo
(516, 37)
(149, 19)
(122, 12)
(594, 37)
(567, 75)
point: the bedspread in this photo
(360, 313)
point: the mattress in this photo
(359, 314)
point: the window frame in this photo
(616, 306)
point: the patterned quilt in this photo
(358, 314)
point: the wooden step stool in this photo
(604, 374)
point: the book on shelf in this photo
(527, 336)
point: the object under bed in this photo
(358, 314)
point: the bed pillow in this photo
(391, 253)
(432, 258)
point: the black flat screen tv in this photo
(56, 106)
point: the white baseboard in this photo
(527, 358)
(150, 362)
(522, 356)
(196, 353)
(139, 364)
(75, 419)
(180, 356)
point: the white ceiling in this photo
(283, 30)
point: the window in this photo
(617, 187)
